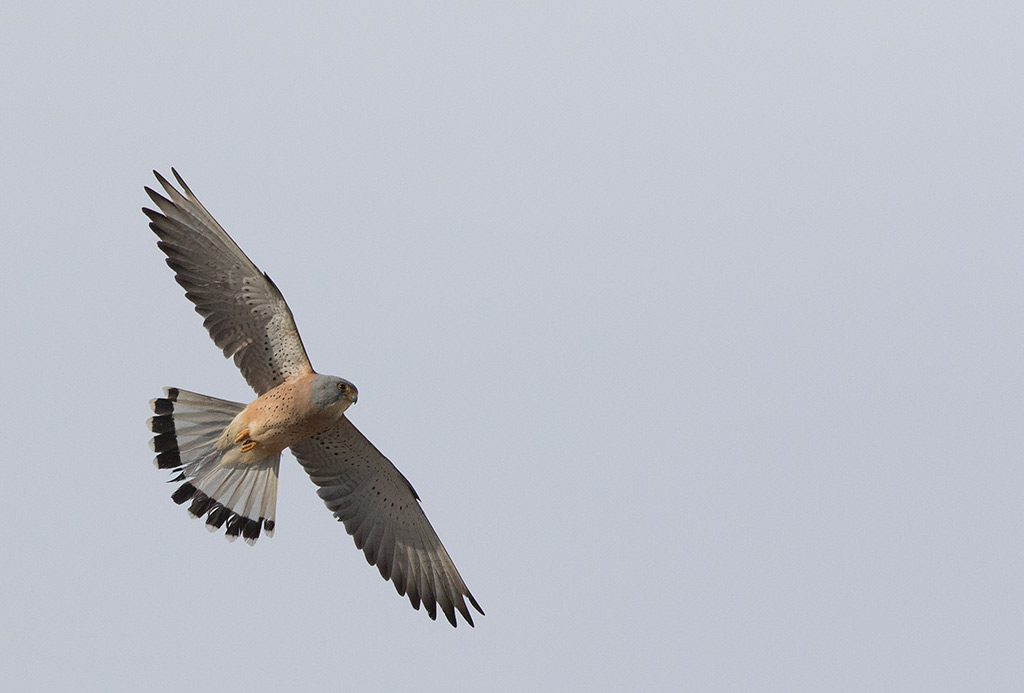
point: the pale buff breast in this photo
(279, 418)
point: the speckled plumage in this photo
(227, 454)
(286, 414)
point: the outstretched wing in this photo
(243, 310)
(381, 511)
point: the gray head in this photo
(328, 391)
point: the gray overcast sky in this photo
(697, 327)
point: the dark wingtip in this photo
(181, 181)
(448, 607)
(159, 177)
(155, 196)
(464, 610)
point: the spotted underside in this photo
(242, 309)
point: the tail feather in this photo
(188, 428)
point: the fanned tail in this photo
(188, 440)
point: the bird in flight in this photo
(227, 454)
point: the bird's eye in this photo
(341, 386)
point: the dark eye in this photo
(341, 386)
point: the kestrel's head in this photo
(328, 391)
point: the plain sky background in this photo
(697, 327)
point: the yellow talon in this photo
(248, 445)
(242, 435)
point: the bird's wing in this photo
(243, 310)
(381, 511)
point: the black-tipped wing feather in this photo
(244, 311)
(381, 511)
